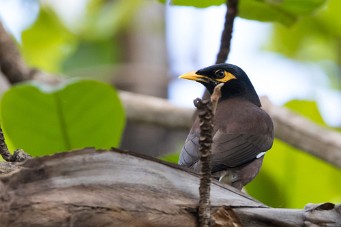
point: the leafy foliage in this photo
(50, 46)
(311, 39)
(105, 18)
(285, 11)
(47, 42)
(314, 39)
(91, 54)
(43, 120)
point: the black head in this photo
(236, 82)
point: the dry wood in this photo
(117, 188)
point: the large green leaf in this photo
(76, 114)
(262, 11)
(286, 11)
(295, 7)
(47, 42)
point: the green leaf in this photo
(296, 7)
(286, 11)
(261, 11)
(47, 42)
(44, 120)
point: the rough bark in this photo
(206, 115)
(117, 188)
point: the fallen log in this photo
(118, 188)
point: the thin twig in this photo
(226, 36)
(206, 110)
(205, 115)
(216, 96)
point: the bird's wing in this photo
(232, 150)
(190, 151)
(228, 150)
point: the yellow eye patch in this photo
(227, 76)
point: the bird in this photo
(242, 131)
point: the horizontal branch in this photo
(157, 111)
(290, 127)
(117, 188)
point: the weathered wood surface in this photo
(116, 188)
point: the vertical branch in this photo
(206, 127)
(206, 110)
(226, 36)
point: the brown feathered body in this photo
(243, 132)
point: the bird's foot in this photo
(227, 176)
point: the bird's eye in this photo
(220, 74)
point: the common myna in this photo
(242, 132)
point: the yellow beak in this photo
(192, 76)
